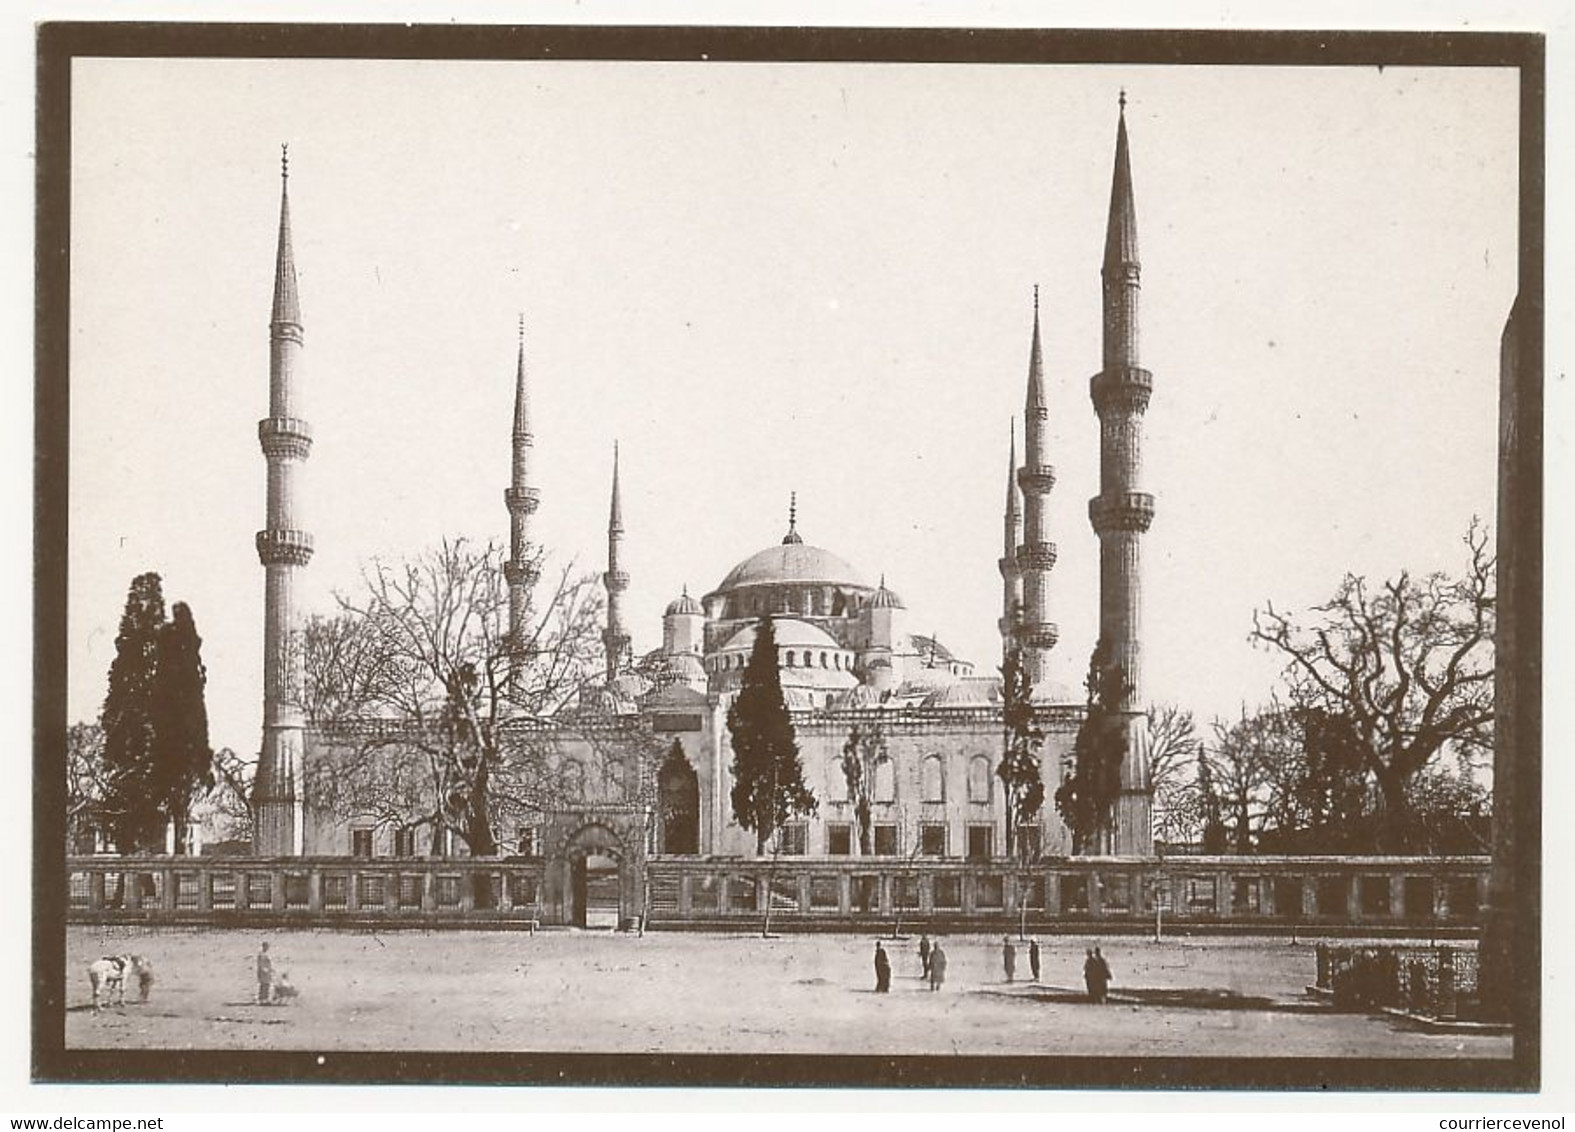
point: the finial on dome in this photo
(792, 535)
(522, 330)
(1122, 99)
(284, 161)
(1036, 300)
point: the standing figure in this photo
(882, 970)
(1009, 958)
(937, 966)
(1033, 958)
(264, 976)
(924, 954)
(1102, 975)
(1090, 975)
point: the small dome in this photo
(974, 693)
(862, 696)
(885, 599)
(684, 606)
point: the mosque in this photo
(847, 652)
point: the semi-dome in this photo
(790, 633)
(791, 562)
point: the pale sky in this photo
(764, 278)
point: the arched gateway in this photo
(596, 877)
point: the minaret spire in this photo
(1122, 512)
(521, 499)
(1036, 634)
(614, 638)
(284, 548)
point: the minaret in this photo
(522, 500)
(284, 548)
(1120, 513)
(614, 638)
(1036, 633)
(1011, 577)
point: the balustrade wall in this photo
(1383, 895)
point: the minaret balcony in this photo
(1121, 511)
(1038, 634)
(1008, 566)
(288, 438)
(1033, 556)
(1036, 479)
(616, 581)
(284, 547)
(522, 573)
(1123, 389)
(521, 500)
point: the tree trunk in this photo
(862, 812)
(1393, 826)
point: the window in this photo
(823, 660)
(839, 839)
(979, 779)
(885, 781)
(932, 839)
(933, 778)
(525, 844)
(405, 842)
(790, 658)
(981, 842)
(793, 837)
(360, 842)
(885, 840)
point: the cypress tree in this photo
(1019, 770)
(768, 778)
(182, 759)
(131, 805)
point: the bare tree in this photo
(437, 715)
(1407, 665)
(87, 780)
(864, 748)
(1173, 752)
(231, 797)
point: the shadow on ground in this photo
(1192, 998)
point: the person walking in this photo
(1090, 974)
(924, 954)
(937, 966)
(1009, 958)
(264, 976)
(1102, 976)
(882, 970)
(1033, 958)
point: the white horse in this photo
(110, 974)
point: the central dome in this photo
(791, 562)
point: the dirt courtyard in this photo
(571, 991)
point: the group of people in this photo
(932, 962)
(272, 987)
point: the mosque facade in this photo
(848, 656)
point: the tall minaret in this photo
(1011, 577)
(1036, 633)
(615, 639)
(522, 500)
(284, 549)
(1120, 513)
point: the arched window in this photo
(933, 780)
(790, 658)
(979, 779)
(885, 781)
(823, 663)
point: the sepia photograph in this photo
(727, 556)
